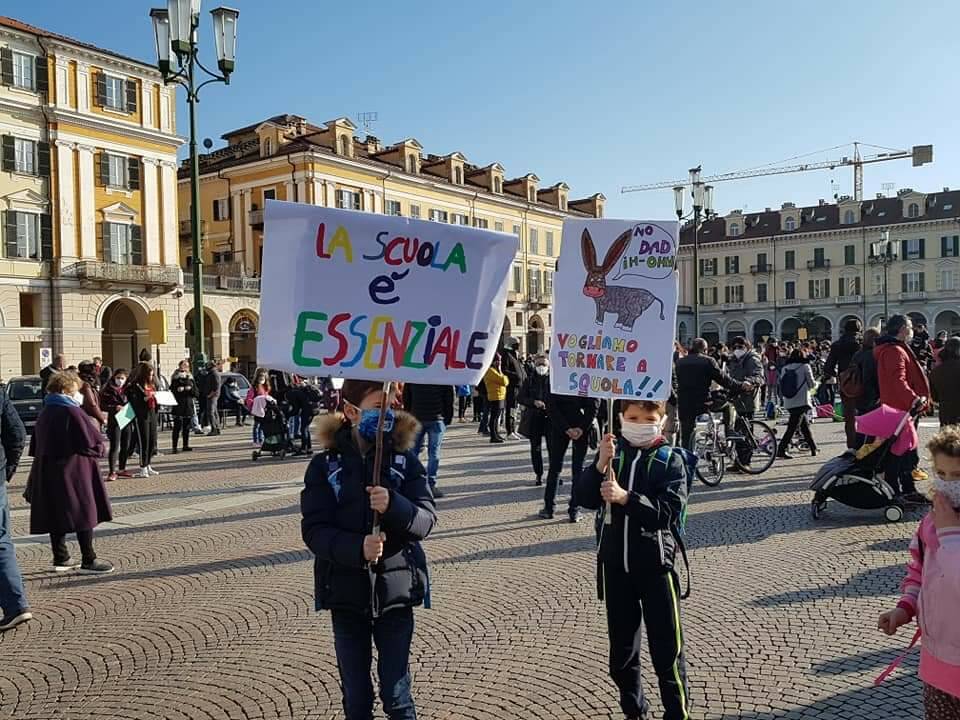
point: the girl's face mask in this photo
(542, 369)
(950, 489)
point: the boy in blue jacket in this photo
(369, 582)
(635, 560)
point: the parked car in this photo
(26, 395)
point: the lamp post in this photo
(175, 31)
(882, 254)
(702, 202)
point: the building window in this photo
(24, 68)
(820, 289)
(415, 211)
(734, 229)
(849, 287)
(392, 207)
(118, 244)
(950, 246)
(913, 210)
(733, 293)
(412, 164)
(517, 279)
(498, 226)
(532, 194)
(790, 224)
(497, 185)
(762, 292)
(761, 261)
(458, 175)
(22, 235)
(549, 243)
(348, 200)
(116, 97)
(268, 147)
(912, 282)
(848, 217)
(269, 194)
(878, 283)
(118, 167)
(790, 290)
(850, 255)
(819, 257)
(534, 241)
(563, 204)
(225, 256)
(481, 223)
(789, 259)
(547, 284)
(732, 265)
(533, 283)
(345, 145)
(516, 230)
(25, 156)
(708, 296)
(221, 209)
(948, 280)
(438, 215)
(459, 219)
(913, 249)
(708, 266)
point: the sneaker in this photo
(538, 482)
(13, 619)
(437, 493)
(67, 566)
(174, 451)
(111, 477)
(576, 517)
(125, 474)
(143, 473)
(514, 436)
(497, 441)
(97, 567)
(545, 514)
(187, 449)
(152, 471)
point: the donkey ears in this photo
(618, 248)
(588, 251)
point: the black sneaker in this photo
(437, 493)
(538, 482)
(187, 449)
(8, 622)
(174, 451)
(65, 566)
(545, 514)
(97, 567)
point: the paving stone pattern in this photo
(209, 615)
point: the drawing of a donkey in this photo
(627, 303)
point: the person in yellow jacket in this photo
(496, 383)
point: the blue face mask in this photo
(369, 420)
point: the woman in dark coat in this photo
(90, 389)
(112, 400)
(65, 489)
(184, 389)
(141, 391)
(944, 382)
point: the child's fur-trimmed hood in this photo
(403, 435)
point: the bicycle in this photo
(751, 446)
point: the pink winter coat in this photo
(931, 593)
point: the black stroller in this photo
(276, 438)
(859, 482)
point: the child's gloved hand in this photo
(892, 620)
(379, 498)
(608, 446)
(373, 547)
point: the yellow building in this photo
(287, 158)
(773, 272)
(88, 195)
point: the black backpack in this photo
(790, 383)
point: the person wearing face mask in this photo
(902, 381)
(839, 359)
(570, 420)
(261, 386)
(112, 400)
(141, 392)
(369, 582)
(89, 389)
(497, 384)
(637, 552)
(931, 588)
(184, 389)
(65, 489)
(535, 423)
(746, 367)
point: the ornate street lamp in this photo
(175, 32)
(881, 253)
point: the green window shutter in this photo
(903, 249)
(42, 74)
(136, 245)
(43, 159)
(100, 96)
(903, 282)
(10, 233)
(46, 237)
(130, 88)
(6, 66)
(103, 230)
(943, 246)
(826, 288)
(133, 173)
(9, 154)
(843, 287)
(923, 282)
(811, 288)
(103, 175)
(923, 248)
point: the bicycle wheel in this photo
(711, 462)
(761, 449)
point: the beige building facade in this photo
(806, 270)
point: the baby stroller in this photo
(858, 482)
(276, 439)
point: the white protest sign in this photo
(376, 297)
(615, 309)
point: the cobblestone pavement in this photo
(209, 615)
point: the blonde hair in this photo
(63, 382)
(946, 442)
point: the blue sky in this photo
(600, 94)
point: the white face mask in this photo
(77, 397)
(739, 353)
(950, 489)
(542, 369)
(639, 434)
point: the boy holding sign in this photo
(369, 581)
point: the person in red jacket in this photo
(902, 381)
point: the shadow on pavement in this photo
(869, 659)
(874, 582)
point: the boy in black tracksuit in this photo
(369, 582)
(635, 567)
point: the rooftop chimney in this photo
(822, 202)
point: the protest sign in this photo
(376, 297)
(124, 416)
(615, 309)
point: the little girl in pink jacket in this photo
(931, 590)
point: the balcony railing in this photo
(761, 269)
(732, 306)
(818, 264)
(186, 228)
(95, 271)
(850, 300)
(227, 283)
(256, 218)
(789, 302)
(916, 295)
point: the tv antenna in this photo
(888, 189)
(366, 120)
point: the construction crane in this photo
(921, 155)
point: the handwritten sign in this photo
(377, 297)
(615, 309)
